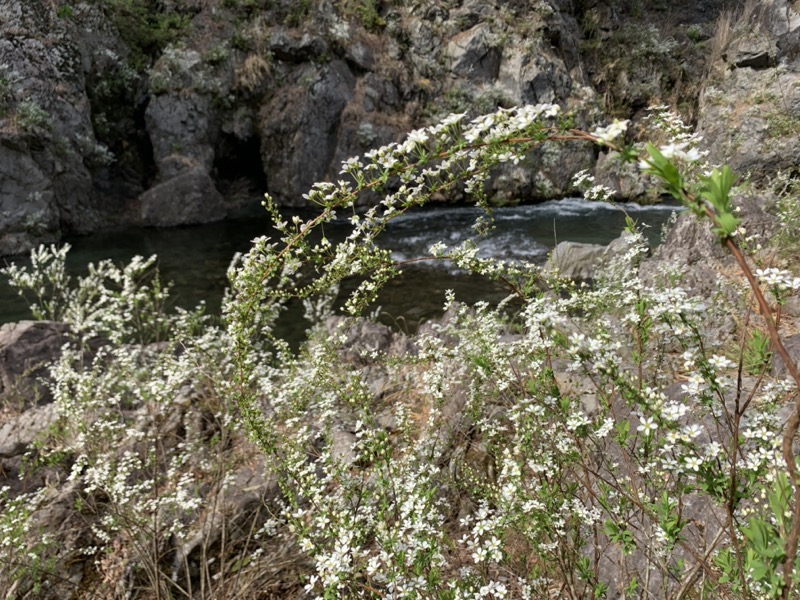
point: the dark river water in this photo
(196, 258)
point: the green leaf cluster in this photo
(715, 189)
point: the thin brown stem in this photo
(790, 547)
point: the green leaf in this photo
(629, 154)
(663, 168)
(779, 497)
(758, 569)
(716, 189)
(727, 224)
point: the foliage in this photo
(299, 13)
(367, 12)
(147, 27)
(573, 441)
(124, 304)
(31, 117)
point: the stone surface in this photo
(186, 199)
(296, 47)
(26, 348)
(28, 210)
(179, 116)
(299, 130)
(18, 434)
(475, 54)
(753, 54)
(575, 260)
(792, 345)
(46, 134)
(749, 110)
(692, 248)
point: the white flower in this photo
(720, 362)
(693, 463)
(418, 136)
(577, 420)
(611, 132)
(691, 431)
(681, 151)
(647, 425)
(605, 428)
(673, 411)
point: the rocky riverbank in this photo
(121, 113)
(138, 449)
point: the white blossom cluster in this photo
(778, 280)
(512, 451)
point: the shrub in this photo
(31, 117)
(574, 441)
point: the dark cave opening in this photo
(238, 170)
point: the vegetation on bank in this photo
(575, 441)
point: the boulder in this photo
(180, 117)
(586, 262)
(299, 130)
(575, 260)
(46, 133)
(475, 54)
(26, 349)
(18, 434)
(186, 199)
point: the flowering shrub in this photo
(575, 441)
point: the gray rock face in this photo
(475, 54)
(753, 54)
(179, 117)
(188, 198)
(291, 47)
(26, 348)
(45, 130)
(750, 107)
(624, 178)
(299, 130)
(28, 211)
(18, 435)
(312, 94)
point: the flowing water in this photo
(196, 258)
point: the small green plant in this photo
(146, 30)
(299, 13)
(757, 354)
(780, 124)
(371, 19)
(694, 33)
(216, 55)
(31, 117)
(65, 11)
(787, 238)
(241, 41)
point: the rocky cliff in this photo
(167, 113)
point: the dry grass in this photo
(253, 72)
(733, 24)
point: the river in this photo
(196, 258)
